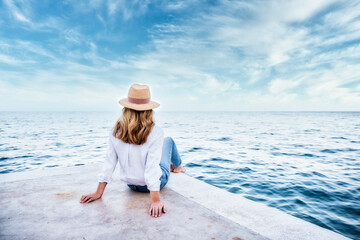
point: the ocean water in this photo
(306, 164)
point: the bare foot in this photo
(172, 167)
(179, 169)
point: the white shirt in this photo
(139, 164)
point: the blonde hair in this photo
(134, 126)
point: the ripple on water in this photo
(80, 145)
(222, 139)
(193, 165)
(51, 166)
(308, 155)
(200, 177)
(256, 149)
(6, 171)
(218, 159)
(256, 162)
(214, 166)
(339, 150)
(9, 149)
(311, 130)
(35, 163)
(45, 156)
(234, 189)
(349, 150)
(194, 149)
(256, 199)
(285, 192)
(298, 145)
(242, 169)
(295, 154)
(23, 156)
(300, 202)
(318, 174)
(341, 183)
(303, 174)
(268, 133)
(246, 184)
(338, 138)
(328, 151)
(212, 172)
(318, 194)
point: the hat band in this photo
(138, 101)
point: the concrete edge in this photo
(91, 169)
(257, 217)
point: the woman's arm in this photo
(153, 174)
(94, 196)
(105, 176)
(157, 207)
(109, 164)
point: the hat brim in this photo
(139, 107)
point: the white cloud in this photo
(22, 11)
(295, 10)
(214, 86)
(252, 55)
(16, 12)
(72, 35)
(23, 53)
(282, 86)
(128, 9)
(71, 87)
(32, 48)
(9, 60)
(344, 18)
(331, 90)
(192, 98)
(176, 5)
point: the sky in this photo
(82, 55)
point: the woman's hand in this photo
(90, 197)
(94, 196)
(156, 209)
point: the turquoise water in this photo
(304, 163)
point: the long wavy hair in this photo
(134, 126)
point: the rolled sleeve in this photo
(109, 164)
(153, 170)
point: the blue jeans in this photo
(169, 155)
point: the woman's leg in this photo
(169, 155)
(132, 187)
(138, 188)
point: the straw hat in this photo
(139, 98)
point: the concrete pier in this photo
(44, 204)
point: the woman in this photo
(144, 156)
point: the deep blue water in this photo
(304, 163)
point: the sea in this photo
(306, 164)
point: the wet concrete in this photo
(44, 204)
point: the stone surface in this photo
(47, 207)
(44, 204)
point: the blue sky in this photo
(195, 55)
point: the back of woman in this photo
(136, 142)
(145, 157)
